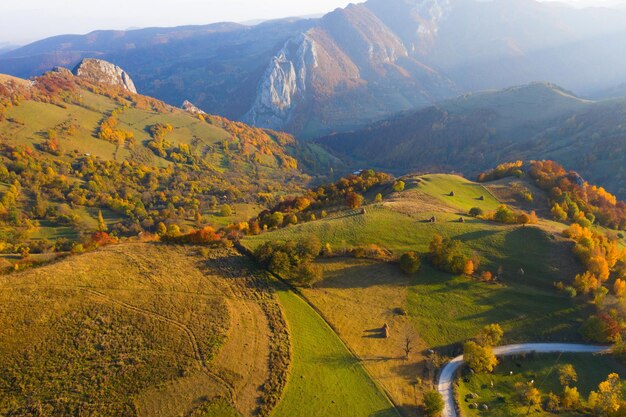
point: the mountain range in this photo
(355, 65)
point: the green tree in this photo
(280, 263)
(309, 274)
(476, 211)
(410, 262)
(398, 186)
(378, 198)
(226, 210)
(433, 403)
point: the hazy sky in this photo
(23, 21)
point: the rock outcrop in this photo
(99, 71)
(189, 107)
(284, 83)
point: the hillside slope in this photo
(72, 149)
(475, 131)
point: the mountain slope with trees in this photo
(78, 157)
(476, 131)
(354, 65)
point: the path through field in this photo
(446, 379)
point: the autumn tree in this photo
(571, 398)
(600, 328)
(479, 358)
(354, 200)
(619, 288)
(567, 375)
(609, 396)
(490, 335)
(469, 268)
(226, 210)
(102, 227)
(398, 186)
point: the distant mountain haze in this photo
(472, 132)
(355, 65)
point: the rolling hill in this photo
(475, 131)
(73, 149)
(354, 65)
(362, 290)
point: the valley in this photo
(365, 213)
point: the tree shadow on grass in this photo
(393, 412)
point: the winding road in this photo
(446, 378)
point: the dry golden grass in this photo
(132, 330)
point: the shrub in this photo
(433, 403)
(476, 211)
(600, 328)
(410, 262)
(226, 211)
(398, 186)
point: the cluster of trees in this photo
(45, 188)
(410, 262)
(316, 203)
(508, 169)
(292, 260)
(575, 200)
(110, 131)
(605, 272)
(506, 215)
(606, 401)
(255, 144)
(602, 257)
(181, 153)
(450, 255)
(571, 198)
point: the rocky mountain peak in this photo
(99, 71)
(284, 83)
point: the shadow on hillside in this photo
(336, 360)
(479, 234)
(364, 276)
(393, 412)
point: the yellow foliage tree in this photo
(619, 288)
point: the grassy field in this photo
(467, 194)
(133, 329)
(325, 379)
(439, 310)
(543, 369)
(358, 297)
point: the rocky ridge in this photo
(99, 71)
